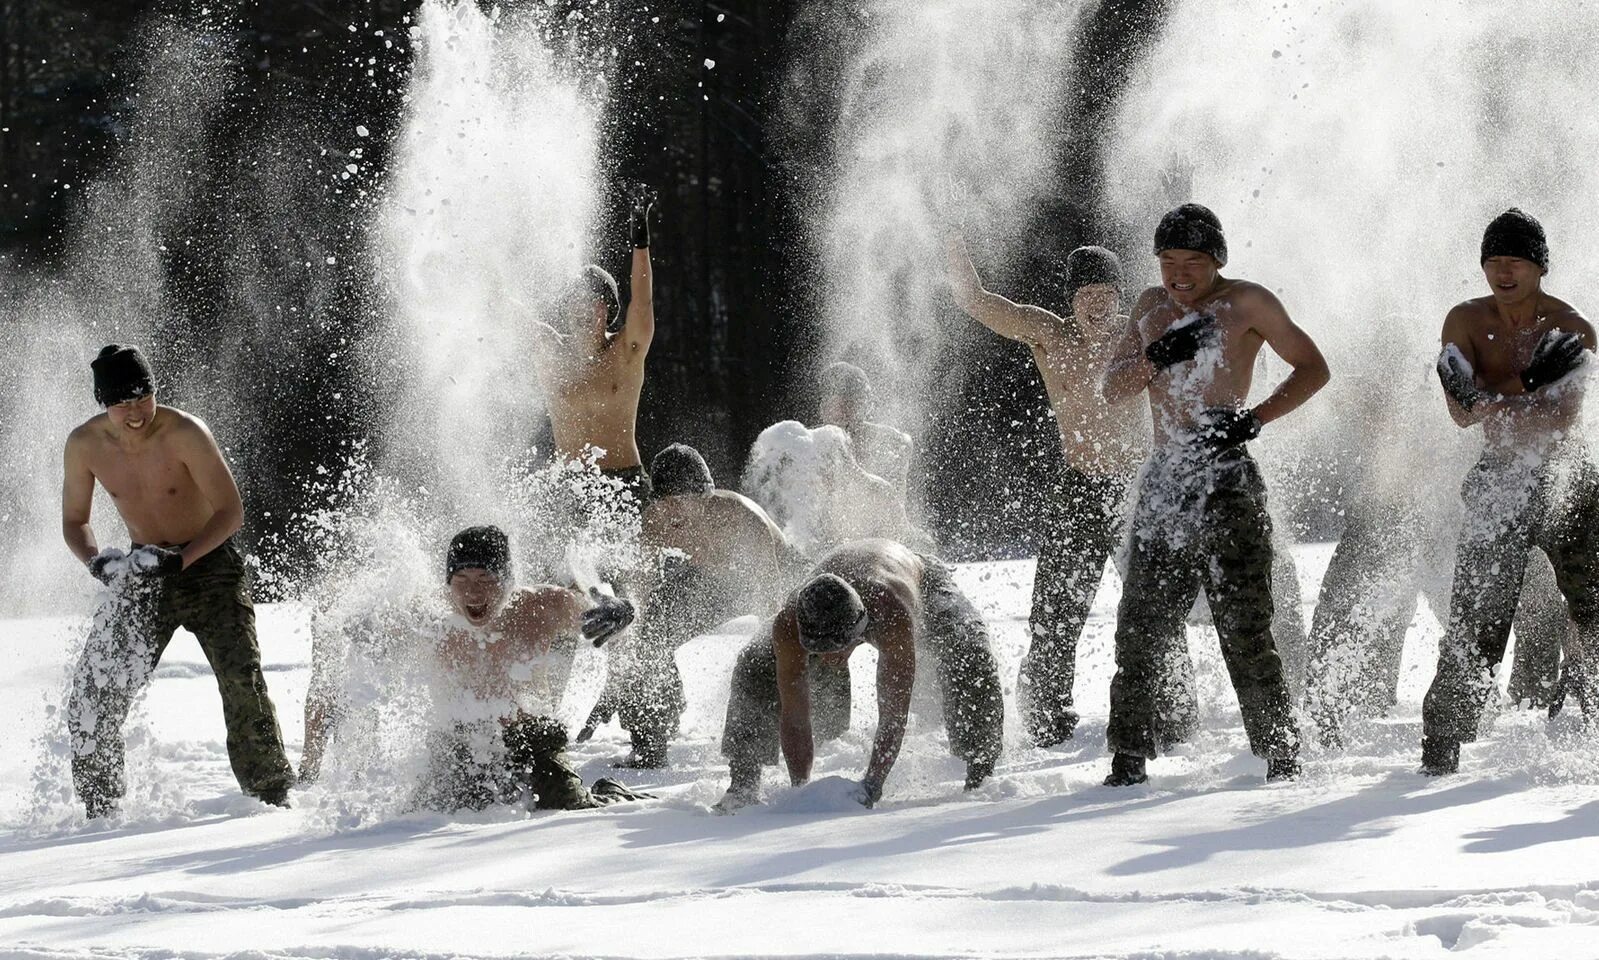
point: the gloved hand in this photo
(150, 561)
(1458, 381)
(1181, 343)
(1223, 427)
(1557, 354)
(638, 220)
(105, 565)
(608, 617)
(870, 792)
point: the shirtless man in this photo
(1507, 363)
(178, 499)
(1103, 444)
(714, 555)
(880, 449)
(1201, 514)
(512, 656)
(791, 684)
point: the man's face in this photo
(1188, 275)
(1096, 302)
(132, 415)
(1512, 279)
(477, 594)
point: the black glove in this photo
(871, 792)
(1223, 427)
(99, 563)
(1558, 353)
(608, 617)
(638, 221)
(1458, 381)
(167, 562)
(1180, 344)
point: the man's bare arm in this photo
(794, 699)
(1287, 340)
(1031, 325)
(77, 499)
(199, 452)
(896, 672)
(1129, 372)
(640, 328)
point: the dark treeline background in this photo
(734, 290)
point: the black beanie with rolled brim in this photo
(679, 470)
(121, 374)
(1516, 234)
(1192, 226)
(830, 613)
(486, 548)
(1090, 265)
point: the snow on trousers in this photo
(522, 759)
(131, 631)
(1230, 555)
(952, 635)
(1082, 533)
(1510, 510)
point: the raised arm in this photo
(1031, 325)
(1294, 345)
(896, 672)
(77, 498)
(199, 452)
(640, 326)
(793, 699)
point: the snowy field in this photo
(1361, 858)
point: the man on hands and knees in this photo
(175, 493)
(511, 659)
(1103, 445)
(1201, 515)
(791, 684)
(1509, 362)
(714, 555)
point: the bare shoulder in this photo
(1567, 317)
(1148, 300)
(1463, 317)
(87, 433)
(185, 426)
(532, 609)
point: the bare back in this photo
(152, 480)
(724, 534)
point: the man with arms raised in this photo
(1103, 445)
(1508, 362)
(175, 493)
(791, 684)
(1201, 515)
(713, 555)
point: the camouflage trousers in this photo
(1082, 533)
(131, 631)
(518, 760)
(1204, 524)
(952, 636)
(1511, 508)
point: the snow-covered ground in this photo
(1361, 858)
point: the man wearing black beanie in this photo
(1191, 345)
(710, 555)
(1510, 362)
(1103, 445)
(174, 491)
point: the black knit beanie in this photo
(831, 614)
(486, 548)
(1090, 265)
(1516, 234)
(1192, 227)
(121, 374)
(679, 470)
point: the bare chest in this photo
(149, 478)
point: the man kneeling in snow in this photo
(513, 635)
(791, 684)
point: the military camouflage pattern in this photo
(1082, 532)
(521, 760)
(952, 635)
(131, 631)
(1203, 523)
(1511, 507)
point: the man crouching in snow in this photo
(791, 684)
(514, 637)
(176, 495)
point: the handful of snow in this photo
(140, 561)
(827, 795)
